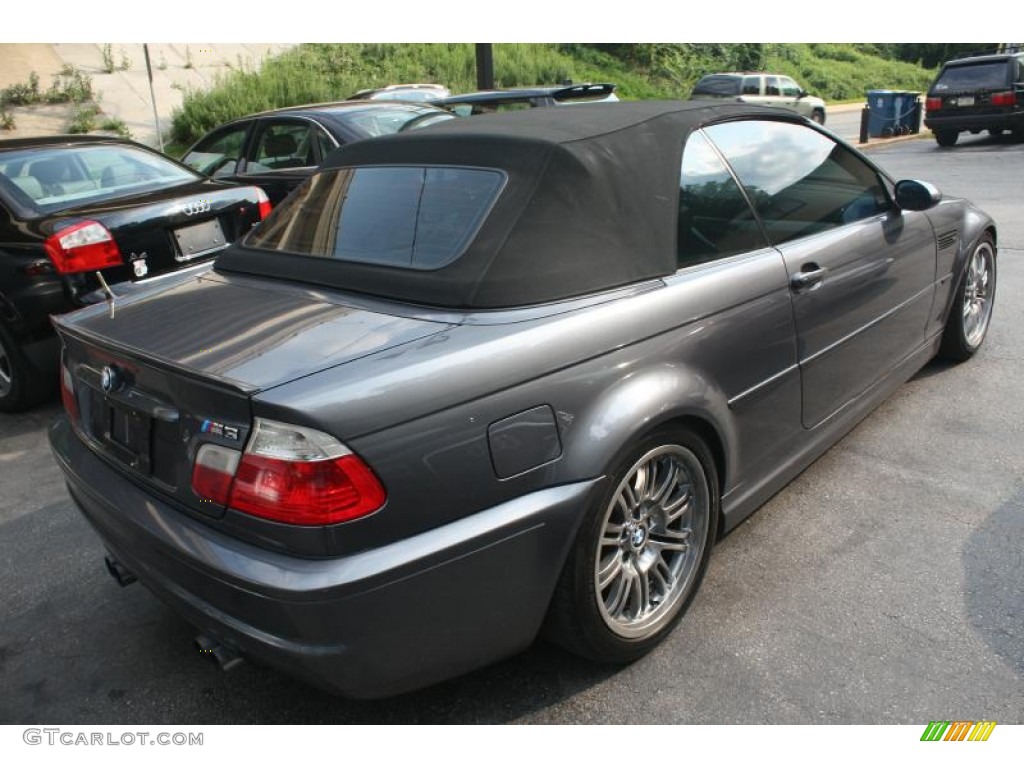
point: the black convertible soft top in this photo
(590, 204)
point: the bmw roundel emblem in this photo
(108, 379)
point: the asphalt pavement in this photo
(883, 585)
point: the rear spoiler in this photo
(559, 93)
(583, 91)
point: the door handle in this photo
(810, 276)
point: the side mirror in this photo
(914, 195)
(802, 94)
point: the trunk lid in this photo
(177, 367)
(163, 231)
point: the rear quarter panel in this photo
(713, 343)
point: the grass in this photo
(84, 119)
(328, 72)
(844, 72)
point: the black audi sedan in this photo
(278, 150)
(79, 214)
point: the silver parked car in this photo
(504, 376)
(761, 88)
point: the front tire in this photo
(641, 553)
(818, 116)
(946, 138)
(971, 313)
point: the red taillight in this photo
(67, 392)
(933, 104)
(83, 247)
(1004, 99)
(288, 474)
(264, 203)
(213, 471)
(306, 492)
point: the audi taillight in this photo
(288, 474)
(83, 247)
(933, 104)
(265, 206)
(1004, 99)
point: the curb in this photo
(924, 134)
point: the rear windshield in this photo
(414, 217)
(42, 180)
(992, 74)
(380, 120)
(717, 85)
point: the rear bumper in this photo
(975, 122)
(372, 624)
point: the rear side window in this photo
(715, 220)
(992, 74)
(414, 217)
(717, 85)
(282, 146)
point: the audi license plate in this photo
(199, 239)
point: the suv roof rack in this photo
(1003, 48)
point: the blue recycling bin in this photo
(892, 113)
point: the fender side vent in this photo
(948, 239)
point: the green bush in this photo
(22, 93)
(116, 125)
(84, 119)
(328, 72)
(70, 85)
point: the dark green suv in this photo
(977, 93)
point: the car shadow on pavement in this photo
(32, 421)
(76, 648)
(935, 367)
(993, 598)
(516, 689)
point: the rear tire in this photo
(641, 553)
(971, 313)
(946, 138)
(21, 385)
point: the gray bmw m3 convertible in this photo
(505, 376)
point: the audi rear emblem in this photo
(196, 207)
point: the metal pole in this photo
(152, 96)
(484, 66)
(865, 115)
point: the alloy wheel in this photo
(977, 305)
(653, 537)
